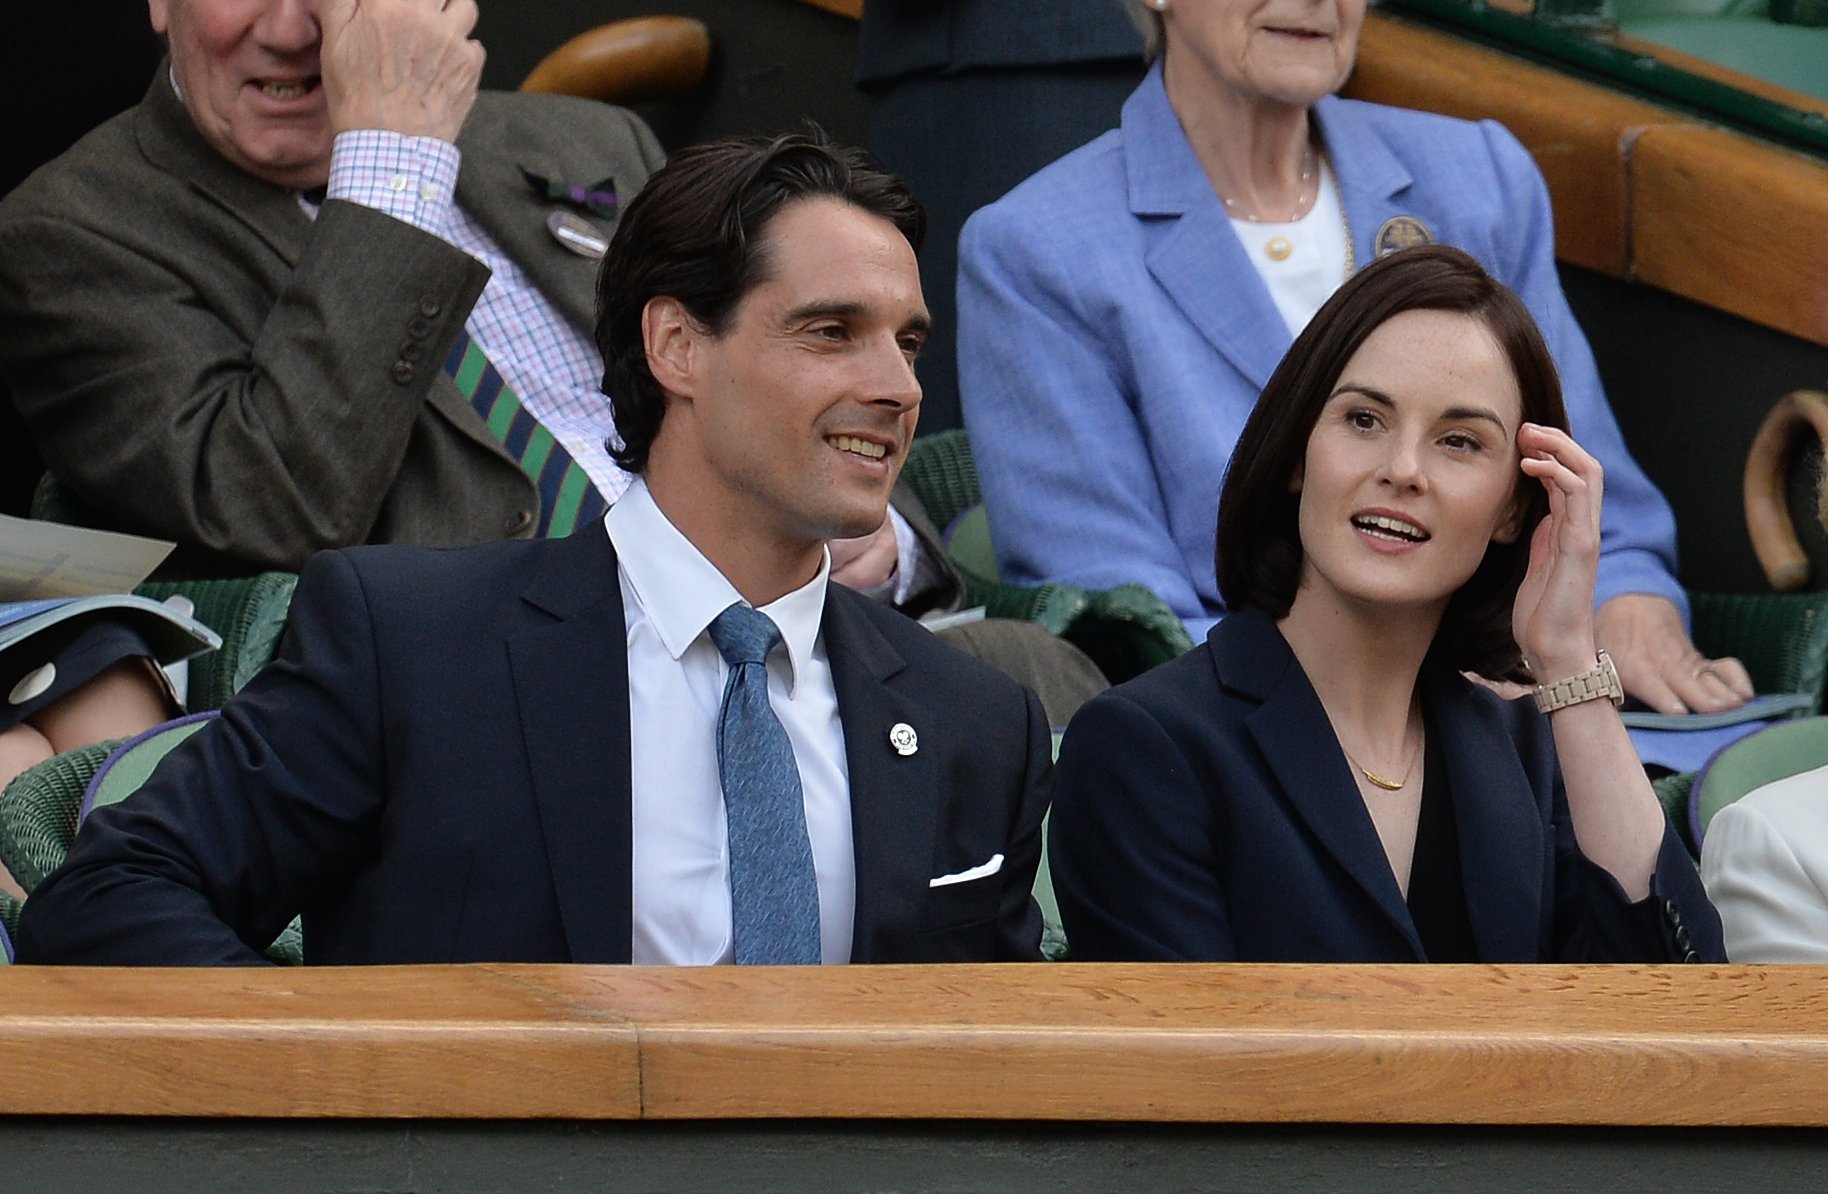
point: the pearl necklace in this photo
(1302, 198)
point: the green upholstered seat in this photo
(1777, 751)
(41, 809)
(1126, 630)
(249, 612)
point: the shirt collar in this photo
(681, 592)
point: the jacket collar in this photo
(577, 739)
(489, 188)
(1498, 814)
(1196, 257)
(894, 797)
(492, 191)
(172, 143)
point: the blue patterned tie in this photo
(774, 893)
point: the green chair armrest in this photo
(248, 612)
(1782, 638)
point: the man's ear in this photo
(671, 338)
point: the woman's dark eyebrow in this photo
(1377, 396)
(1475, 412)
(1450, 414)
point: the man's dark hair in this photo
(697, 233)
(1259, 557)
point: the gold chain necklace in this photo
(1379, 781)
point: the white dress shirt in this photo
(1301, 283)
(681, 865)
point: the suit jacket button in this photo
(419, 328)
(1682, 937)
(518, 521)
(429, 308)
(1691, 956)
(1672, 912)
(403, 372)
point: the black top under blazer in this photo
(1205, 812)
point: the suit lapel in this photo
(571, 690)
(1254, 659)
(1499, 822)
(171, 142)
(1373, 182)
(1194, 255)
(491, 189)
(894, 809)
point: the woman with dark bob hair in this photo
(1321, 780)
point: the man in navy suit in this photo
(511, 752)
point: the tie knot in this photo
(744, 634)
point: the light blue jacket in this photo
(1113, 338)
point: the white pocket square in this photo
(981, 871)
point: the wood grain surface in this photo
(1750, 230)
(1640, 191)
(1576, 131)
(1243, 1043)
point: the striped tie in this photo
(567, 497)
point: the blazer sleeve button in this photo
(1672, 912)
(403, 373)
(517, 522)
(1691, 956)
(430, 308)
(419, 327)
(1682, 939)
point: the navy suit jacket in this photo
(1204, 811)
(436, 769)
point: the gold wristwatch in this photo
(1602, 681)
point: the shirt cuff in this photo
(1638, 571)
(412, 179)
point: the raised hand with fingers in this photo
(1553, 617)
(406, 66)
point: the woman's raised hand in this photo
(1553, 617)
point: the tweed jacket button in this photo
(419, 328)
(403, 372)
(412, 350)
(518, 521)
(429, 308)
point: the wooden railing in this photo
(1640, 191)
(1244, 1043)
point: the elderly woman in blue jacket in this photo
(1120, 311)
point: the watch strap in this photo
(1601, 681)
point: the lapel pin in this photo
(39, 680)
(1400, 232)
(577, 234)
(903, 738)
